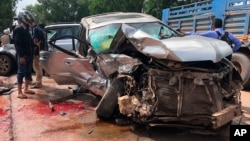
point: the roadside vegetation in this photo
(52, 11)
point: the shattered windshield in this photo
(102, 37)
(156, 30)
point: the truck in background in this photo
(198, 17)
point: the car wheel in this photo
(109, 102)
(241, 61)
(6, 65)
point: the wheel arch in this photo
(242, 62)
(13, 57)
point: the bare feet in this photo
(22, 96)
(29, 92)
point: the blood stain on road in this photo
(2, 112)
(3, 104)
(44, 109)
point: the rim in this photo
(4, 65)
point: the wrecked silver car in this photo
(151, 75)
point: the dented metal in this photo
(155, 77)
(184, 49)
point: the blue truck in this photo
(197, 17)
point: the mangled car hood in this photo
(183, 49)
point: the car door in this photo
(82, 69)
(52, 59)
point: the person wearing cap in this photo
(218, 28)
(39, 44)
(5, 39)
(24, 51)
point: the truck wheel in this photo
(6, 65)
(106, 107)
(242, 63)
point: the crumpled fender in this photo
(182, 49)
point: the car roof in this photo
(62, 25)
(116, 17)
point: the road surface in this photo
(74, 120)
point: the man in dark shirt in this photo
(24, 51)
(39, 42)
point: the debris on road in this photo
(62, 113)
(5, 90)
(51, 106)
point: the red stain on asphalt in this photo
(2, 112)
(66, 106)
(44, 109)
(2, 104)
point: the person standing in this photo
(5, 39)
(39, 44)
(24, 51)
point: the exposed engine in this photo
(180, 93)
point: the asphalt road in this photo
(32, 119)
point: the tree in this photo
(152, 7)
(7, 13)
(155, 7)
(52, 11)
(102, 6)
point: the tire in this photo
(106, 107)
(6, 65)
(242, 63)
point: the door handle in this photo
(44, 57)
(69, 63)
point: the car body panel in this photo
(83, 72)
(58, 72)
(10, 48)
(52, 60)
(188, 48)
(116, 17)
(182, 49)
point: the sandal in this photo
(22, 96)
(29, 92)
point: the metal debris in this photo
(4, 90)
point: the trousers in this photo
(38, 70)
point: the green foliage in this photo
(103, 6)
(7, 12)
(152, 7)
(155, 7)
(54, 11)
